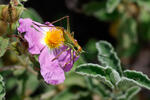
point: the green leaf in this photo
(94, 70)
(105, 74)
(72, 79)
(112, 5)
(128, 88)
(31, 13)
(128, 32)
(90, 84)
(130, 93)
(11, 83)
(144, 3)
(92, 51)
(98, 88)
(128, 52)
(113, 75)
(107, 56)
(144, 19)
(70, 94)
(102, 91)
(3, 45)
(127, 36)
(98, 10)
(32, 79)
(104, 48)
(125, 84)
(144, 16)
(92, 7)
(65, 95)
(138, 77)
(2, 88)
(104, 16)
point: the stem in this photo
(5, 68)
(23, 89)
(25, 64)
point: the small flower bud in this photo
(10, 13)
(3, 27)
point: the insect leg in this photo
(59, 54)
(72, 34)
(72, 58)
(71, 46)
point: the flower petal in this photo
(50, 70)
(33, 34)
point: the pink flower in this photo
(48, 42)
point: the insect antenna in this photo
(65, 17)
(60, 19)
(41, 25)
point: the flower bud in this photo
(10, 13)
(3, 27)
(1, 8)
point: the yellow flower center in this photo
(54, 38)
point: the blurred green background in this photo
(123, 23)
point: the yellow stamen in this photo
(54, 38)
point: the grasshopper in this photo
(69, 39)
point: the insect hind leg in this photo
(71, 59)
(59, 54)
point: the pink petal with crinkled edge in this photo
(33, 35)
(50, 70)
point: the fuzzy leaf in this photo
(107, 56)
(3, 46)
(112, 5)
(104, 48)
(98, 88)
(113, 75)
(125, 84)
(2, 88)
(106, 74)
(102, 91)
(130, 93)
(138, 77)
(94, 70)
